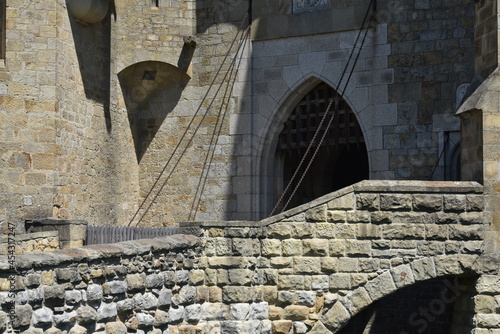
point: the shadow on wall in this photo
(213, 12)
(151, 90)
(93, 50)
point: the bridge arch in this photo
(337, 315)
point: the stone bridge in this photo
(309, 270)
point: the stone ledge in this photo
(93, 252)
(405, 186)
(58, 221)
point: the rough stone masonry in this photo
(308, 270)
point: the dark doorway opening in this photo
(342, 157)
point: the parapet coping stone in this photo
(94, 252)
(58, 221)
(366, 186)
(32, 236)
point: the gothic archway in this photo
(342, 157)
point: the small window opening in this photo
(155, 3)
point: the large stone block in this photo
(426, 202)
(292, 247)
(240, 276)
(430, 248)
(214, 311)
(296, 312)
(402, 276)
(345, 202)
(468, 218)
(329, 264)
(282, 326)
(315, 247)
(358, 217)
(306, 265)
(436, 232)
(227, 262)
(270, 294)
(348, 265)
(271, 247)
(395, 202)
(246, 247)
(381, 217)
(337, 216)
(320, 282)
(380, 286)
(454, 202)
(488, 320)
(319, 328)
(86, 315)
(279, 230)
(136, 282)
(218, 247)
(345, 231)
(238, 294)
(340, 282)
(317, 214)
(281, 262)
(266, 276)
(403, 231)
(475, 203)
(367, 201)
(488, 284)
(466, 232)
(301, 230)
(325, 230)
(358, 248)
(336, 317)
(291, 282)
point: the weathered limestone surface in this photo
(309, 270)
(74, 144)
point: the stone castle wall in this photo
(403, 90)
(67, 139)
(310, 269)
(74, 146)
(163, 120)
(30, 111)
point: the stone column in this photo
(480, 117)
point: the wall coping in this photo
(366, 186)
(94, 252)
(58, 221)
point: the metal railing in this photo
(112, 234)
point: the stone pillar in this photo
(72, 232)
(480, 118)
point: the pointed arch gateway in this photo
(342, 158)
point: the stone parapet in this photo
(308, 270)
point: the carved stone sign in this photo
(300, 6)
